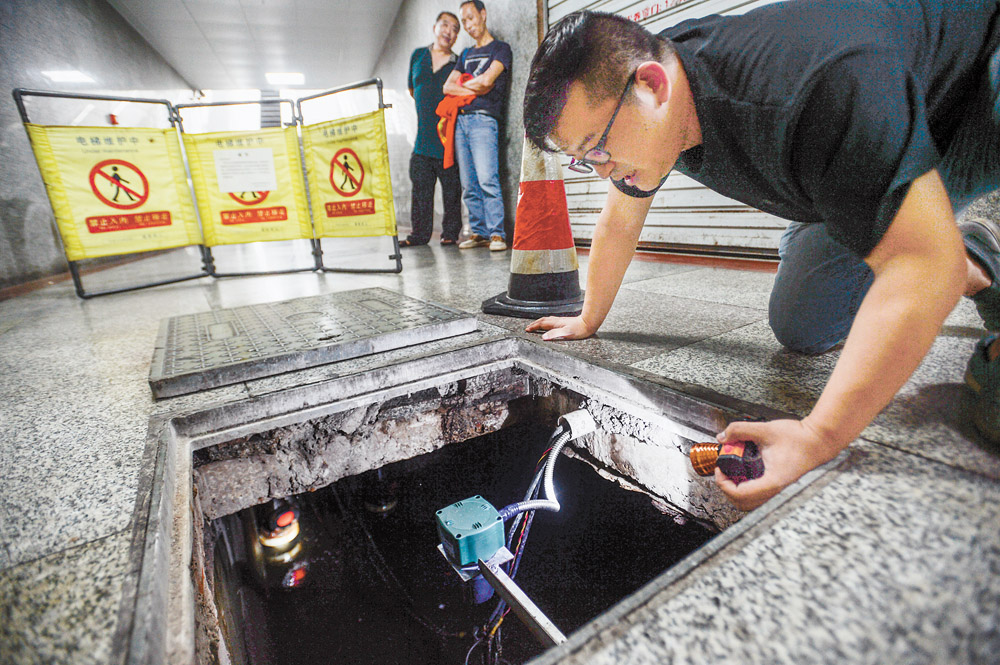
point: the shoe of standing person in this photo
(475, 240)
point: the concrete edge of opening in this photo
(670, 581)
(156, 616)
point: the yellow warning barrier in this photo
(249, 185)
(347, 163)
(115, 190)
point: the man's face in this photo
(473, 20)
(633, 140)
(446, 32)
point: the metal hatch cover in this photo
(224, 346)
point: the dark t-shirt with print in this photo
(826, 110)
(475, 61)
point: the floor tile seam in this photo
(67, 550)
(672, 273)
(951, 465)
(701, 341)
(707, 302)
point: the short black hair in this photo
(447, 13)
(478, 3)
(596, 48)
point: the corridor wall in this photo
(43, 35)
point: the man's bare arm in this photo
(485, 81)
(611, 251)
(920, 272)
(451, 86)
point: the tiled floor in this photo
(906, 532)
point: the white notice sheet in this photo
(245, 170)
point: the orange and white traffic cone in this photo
(544, 277)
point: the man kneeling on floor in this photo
(846, 119)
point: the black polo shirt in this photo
(826, 110)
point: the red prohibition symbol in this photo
(348, 170)
(249, 198)
(119, 184)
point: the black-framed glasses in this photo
(598, 156)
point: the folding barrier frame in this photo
(301, 124)
(317, 252)
(173, 118)
(208, 264)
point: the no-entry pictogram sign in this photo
(119, 184)
(249, 198)
(346, 172)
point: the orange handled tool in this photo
(740, 460)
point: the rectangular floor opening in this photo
(363, 581)
(434, 428)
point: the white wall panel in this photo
(684, 212)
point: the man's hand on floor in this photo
(561, 327)
(789, 449)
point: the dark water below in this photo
(378, 590)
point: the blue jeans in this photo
(476, 141)
(820, 283)
(817, 291)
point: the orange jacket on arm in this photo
(448, 110)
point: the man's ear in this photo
(651, 78)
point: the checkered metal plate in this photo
(200, 351)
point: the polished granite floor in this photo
(895, 556)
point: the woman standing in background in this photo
(430, 67)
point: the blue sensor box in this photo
(470, 529)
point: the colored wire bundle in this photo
(523, 514)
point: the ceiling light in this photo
(67, 76)
(285, 78)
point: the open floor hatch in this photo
(371, 456)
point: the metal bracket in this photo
(526, 610)
(468, 573)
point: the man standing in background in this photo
(430, 67)
(477, 132)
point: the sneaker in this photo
(977, 372)
(475, 240)
(982, 243)
(983, 376)
(497, 244)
